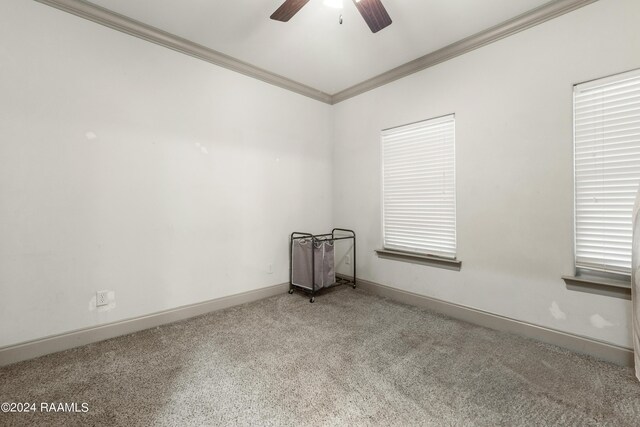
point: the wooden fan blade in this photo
(374, 14)
(288, 9)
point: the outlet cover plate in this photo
(102, 298)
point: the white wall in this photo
(513, 106)
(188, 192)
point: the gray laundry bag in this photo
(325, 275)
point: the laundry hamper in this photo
(312, 261)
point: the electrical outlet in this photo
(102, 298)
(348, 260)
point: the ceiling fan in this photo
(373, 12)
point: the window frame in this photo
(436, 260)
(591, 276)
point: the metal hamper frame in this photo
(296, 235)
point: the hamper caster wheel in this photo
(290, 291)
(312, 299)
(353, 286)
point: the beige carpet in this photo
(349, 359)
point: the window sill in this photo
(599, 285)
(433, 261)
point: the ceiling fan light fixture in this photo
(373, 11)
(337, 4)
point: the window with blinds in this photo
(418, 186)
(607, 171)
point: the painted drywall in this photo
(128, 167)
(513, 106)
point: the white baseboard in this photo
(611, 353)
(52, 344)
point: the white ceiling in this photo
(312, 48)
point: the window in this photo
(418, 186)
(607, 171)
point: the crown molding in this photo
(522, 22)
(110, 19)
(138, 29)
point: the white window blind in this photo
(607, 170)
(418, 175)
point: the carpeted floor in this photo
(349, 359)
